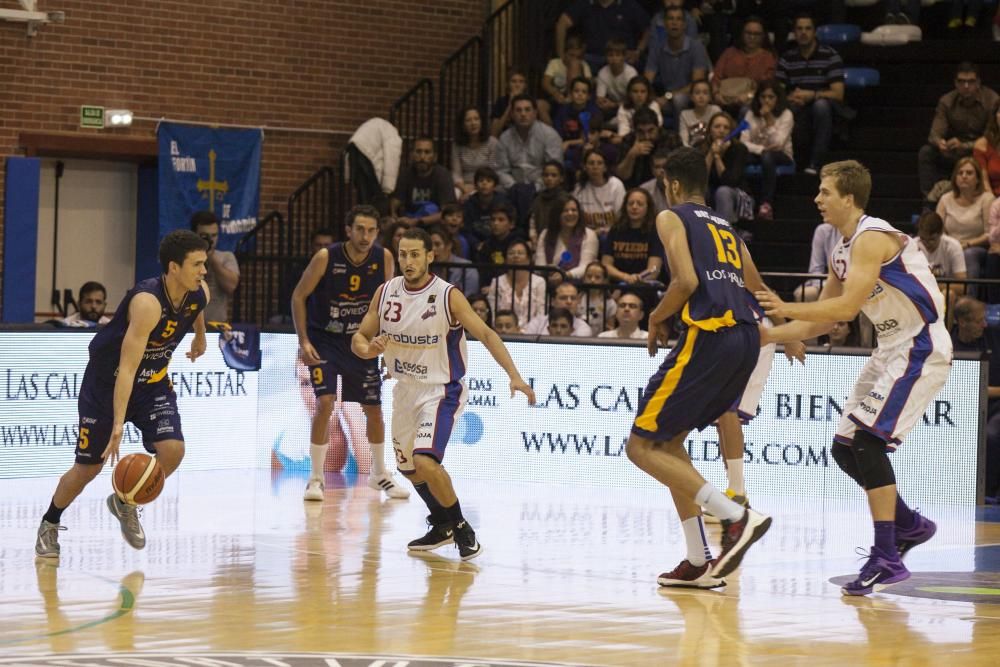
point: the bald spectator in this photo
(568, 297)
(629, 314)
(91, 304)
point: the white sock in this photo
(717, 503)
(378, 458)
(317, 455)
(697, 541)
(734, 472)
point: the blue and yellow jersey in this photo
(341, 299)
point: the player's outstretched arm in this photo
(799, 329)
(143, 315)
(464, 315)
(366, 343)
(306, 286)
(754, 283)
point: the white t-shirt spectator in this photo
(965, 222)
(557, 70)
(589, 248)
(947, 259)
(614, 333)
(601, 203)
(625, 118)
(539, 326)
(527, 304)
(614, 87)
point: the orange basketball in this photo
(138, 479)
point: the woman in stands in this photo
(986, 150)
(518, 290)
(639, 94)
(727, 161)
(966, 212)
(632, 251)
(743, 66)
(769, 140)
(600, 193)
(566, 241)
(474, 148)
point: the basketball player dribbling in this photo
(328, 305)
(417, 321)
(878, 270)
(704, 374)
(126, 380)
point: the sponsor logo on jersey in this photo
(409, 368)
(407, 339)
(429, 313)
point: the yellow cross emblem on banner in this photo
(215, 189)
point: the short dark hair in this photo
(419, 234)
(322, 231)
(615, 45)
(92, 286)
(451, 209)
(560, 313)
(506, 208)
(506, 313)
(686, 165)
(523, 97)
(803, 14)
(441, 231)
(177, 245)
(486, 172)
(203, 219)
(965, 305)
(424, 137)
(644, 116)
(581, 79)
(930, 223)
(967, 67)
(575, 40)
(361, 211)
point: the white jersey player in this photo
(418, 322)
(878, 270)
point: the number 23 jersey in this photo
(425, 345)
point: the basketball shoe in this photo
(47, 542)
(385, 482)
(879, 571)
(465, 538)
(439, 535)
(708, 517)
(922, 530)
(737, 536)
(128, 517)
(686, 575)
(314, 489)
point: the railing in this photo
(260, 254)
(413, 113)
(311, 207)
(461, 82)
(518, 34)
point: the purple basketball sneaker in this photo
(879, 571)
(922, 530)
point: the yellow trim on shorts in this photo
(647, 420)
(709, 323)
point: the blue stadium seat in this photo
(861, 77)
(838, 33)
(754, 171)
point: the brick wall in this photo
(323, 64)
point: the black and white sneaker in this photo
(465, 538)
(438, 536)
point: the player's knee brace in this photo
(873, 461)
(844, 457)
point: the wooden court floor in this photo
(239, 571)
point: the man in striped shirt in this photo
(813, 75)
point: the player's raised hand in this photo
(198, 347)
(520, 385)
(309, 355)
(111, 451)
(770, 302)
(796, 350)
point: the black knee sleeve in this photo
(844, 457)
(873, 461)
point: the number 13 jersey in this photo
(425, 345)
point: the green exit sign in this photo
(91, 116)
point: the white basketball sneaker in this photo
(314, 490)
(386, 483)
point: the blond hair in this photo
(850, 178)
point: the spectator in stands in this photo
(478, 209)
(423, 187)
(392, 232)
(656, 186)
(567, 296)
(600, 193)
(600, 21)
(465, 278)
(636, 164)
(91, 302)
(902, 12)
(558, 323)
(503, 108)
(768, 138)
(944, 254)
(579, 124)
(658, 27)
(673, 64)
(965, 210)
(596, 306)
(373, 155)
(638, 95)
(223, 275)
(628, 315)
(814, 75)
(566, 242)
(993, 257)
(453, 218)
(742, 66)
(612, 82)
(972, 334)
(524, 148)
(843, 334)
(693, 123)
(506, 322)
(967, 9)
(519, 290)
(632, 251)
(481, 306)
(727, 161)
(473, 148)
(554, 187)
(959, 120)
(986, 150)
(825, 237)
(563, 69)
(493, 250)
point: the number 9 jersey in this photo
(720, 300)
